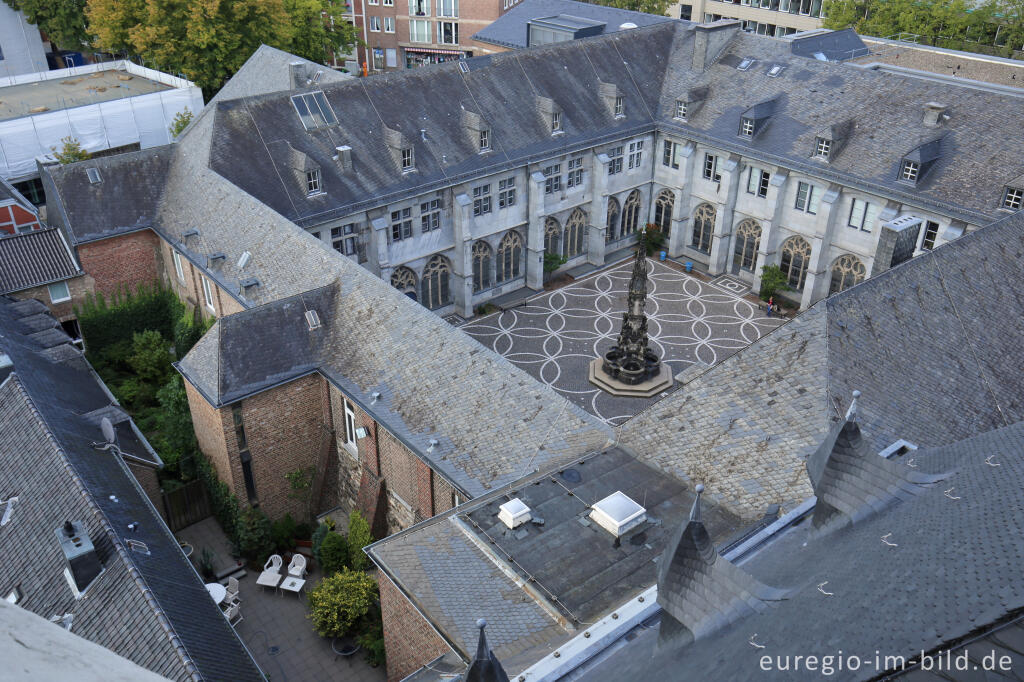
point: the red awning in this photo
(432, 51)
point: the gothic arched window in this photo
(703, 227)
(631, 213)
(613, 219)
(481, 266)
(509, 261)
(796, 255)
(575, 228)
(552, 233)
(748, 238)
(436, 284)
(847, 270)
(663, 206)
(404, 280)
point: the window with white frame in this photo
(448, 32)
(1013, 198)
(757, 182)
(312, 182)
(448, 8)
(373, 2)
(507, 192)
(419, 31)
(931, 231)
(620, 106)
(670, 155)
(615, 160)
(349, 435)
(207, 293)
(374, 24)
(389, 24)
(556, 121)
(862, 215)
(401, 224)
(407, 159)
(419, 8)
(552, 178)
(808, 198)
(822, 148)
(910, 170)
(386, 3)
(485, 140)
(314, 111)
(344, 239)
(430, 215)
(680, 109)
(636, 153)
(482, 199)
(575, 176)
(711, 168)
(178, 269)
(747, 127)
(59, 292)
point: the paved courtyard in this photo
(555, 335)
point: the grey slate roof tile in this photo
(35, 258)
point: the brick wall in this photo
(78, 288)
(147, 478)
(211, 432)
(409, 640)
(123, 262)
(189, 287)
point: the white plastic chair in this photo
(234, 614)
(232, 591)
(297, 567)
(271, 574)
(274, 563)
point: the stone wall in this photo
(409, 640)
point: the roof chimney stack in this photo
(297, 74)
(83, 564)
(934, 114)
(710, 39)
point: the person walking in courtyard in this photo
(771, 304)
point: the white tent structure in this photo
(103, 106)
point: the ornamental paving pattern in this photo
(555, 335)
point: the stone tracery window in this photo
(436, 285)
(481, 266)
(796, 255)
(552, 233)
(572, 236)
(663, 206)
(703, 227)
(613, 219)
(404, 280)
(748, 238)
(847, 270)
(509, 261)
(631, 214)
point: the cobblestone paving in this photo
(555, 335)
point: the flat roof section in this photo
(28, 99)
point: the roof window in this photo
(618, 514)
(745, 64)
(514, 513)
(312, 319)
(94, 175)
(314, 111)
(775, 70)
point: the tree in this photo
(314, 34)
(339, 601)
(255, 535)
(180, 121)
(70, 151)
(63, 21)
(334, 553)
(658, 7)
(150, 358)
(773, 279)
(359, 536)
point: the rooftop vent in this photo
(83, 564)
(214, 257)
(244, 260)
(344, 156)
(618, 514)
(934, 114)
(312, 319)
(8, 510)
(514, 513)
(249, 282)
(94, 175)
(190, 233)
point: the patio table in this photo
(217, 592)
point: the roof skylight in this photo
(314, 111)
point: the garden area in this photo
(131, 342)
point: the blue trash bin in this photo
(663, 255)
(689, 266)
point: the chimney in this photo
(933, 114)
(710, 39)
(83, 564)
(297, 74)
(344, 157)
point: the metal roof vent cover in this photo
(618, 514)
(312, 319)
(83, 564)
(514, 513)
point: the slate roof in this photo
(267, 70)
(952, 569)
(35, 258)
(833, 45)
(150, 608)
(510, 29)
(124, 200)
(651, 67)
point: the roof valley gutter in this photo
(601, 635)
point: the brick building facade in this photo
(408, 638)
(122, 263)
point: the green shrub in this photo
(318, 538)
(359, 536)
(339, 601)
(176, 437)
(70, 151)
(372, 639)
(553, 261)
(180, 121)
(106, 324)
(223, 502)
(150, 358)
(303, 531)
(773, 280)
(334, 554)
(255, 535)
(652, 237)
(283, 533)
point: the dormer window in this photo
(680, 109)
(312, 182)
(910, 171)
(620, 107)
(747, 127)
(556, 122)
(485, 140)
(1013, 198)
(822, 148)
(407, 159)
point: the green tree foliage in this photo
(312, 37)
(340, 601)
(70, 151)
(772, 281)
(175, 439)
(150, 358)
(553, 261)
(652, 237)
(180, 121)
(359, 536)
(284, 534)
(254, 537)
(63, 21)
(649, 6)
(334, 553)
(318, 539)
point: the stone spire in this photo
(485, 666)
(630, 360)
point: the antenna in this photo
(108, 430)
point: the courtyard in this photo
(555, 335)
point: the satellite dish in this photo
(108, 430)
